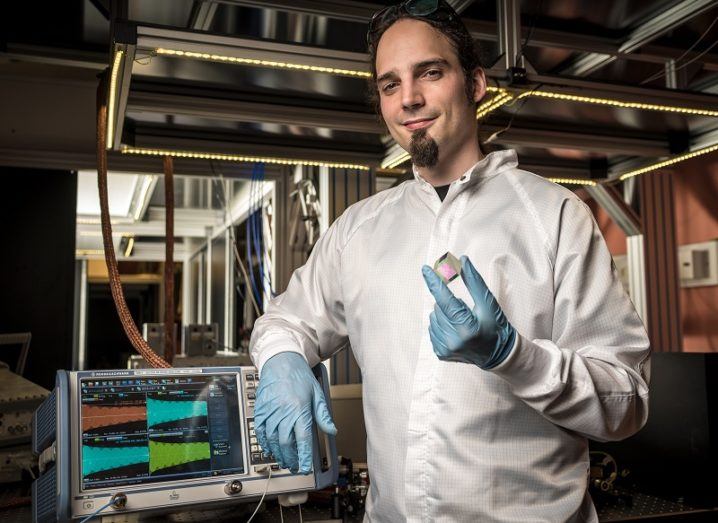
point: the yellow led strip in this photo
(505, 97)
(130, 244)
(669, 162)
(112, 97)
(95, 221)
(397, 161)
(619, 103)
(237, 158)
(99, 233)
(89, 252)
(490, 89)
(261, 63)
(494, 103)
(573, 181)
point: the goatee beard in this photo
(423, 149)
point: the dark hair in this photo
(467, 50)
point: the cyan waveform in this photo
(164, 455)
(159, 411)
(96, 459)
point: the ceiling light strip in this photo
(619, 103)
(92, 233)
(493, 104)
(669, 162)
(112, 98)
(505, 97)
(397, 161)
(130, 245)
(237, 158)
(573, 181)
(490, 89)
(261, 63)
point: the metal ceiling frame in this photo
(122, 60)
(182, 140)
(460, 5)
(624, 216)
(151, 38)
(250, 111)
(509, 33)
(483, 30)
(148, 39)
(489, 31)
(654, 27)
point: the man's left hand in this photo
(482, 335)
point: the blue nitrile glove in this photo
(289, 398)
(482, 336)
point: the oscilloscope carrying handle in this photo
(51, 426)
(325, 478)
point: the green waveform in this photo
(165, 455)
(160, 411)
(96, 459)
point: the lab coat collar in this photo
(490, 165)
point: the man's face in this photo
(422, 92)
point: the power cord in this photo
(259, 503)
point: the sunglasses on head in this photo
(429, 9)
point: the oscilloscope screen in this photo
(139, 430)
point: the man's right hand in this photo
(289, 398)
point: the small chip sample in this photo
(447, 267)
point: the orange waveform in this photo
(96, 416)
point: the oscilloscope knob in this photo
(233, 487)
(118, 501)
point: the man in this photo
(478, 395)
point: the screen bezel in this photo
(76, 425)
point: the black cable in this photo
(511, 120)
(663, 73)
(531, 30)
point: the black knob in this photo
(233, 487)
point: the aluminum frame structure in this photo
(148, 39)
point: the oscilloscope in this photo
(158, 440)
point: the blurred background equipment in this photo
(154, 334)
(200, 340)
(674, 456)
(19, 398)
(13, 350)
(349, 419)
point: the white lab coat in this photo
(450, 441)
